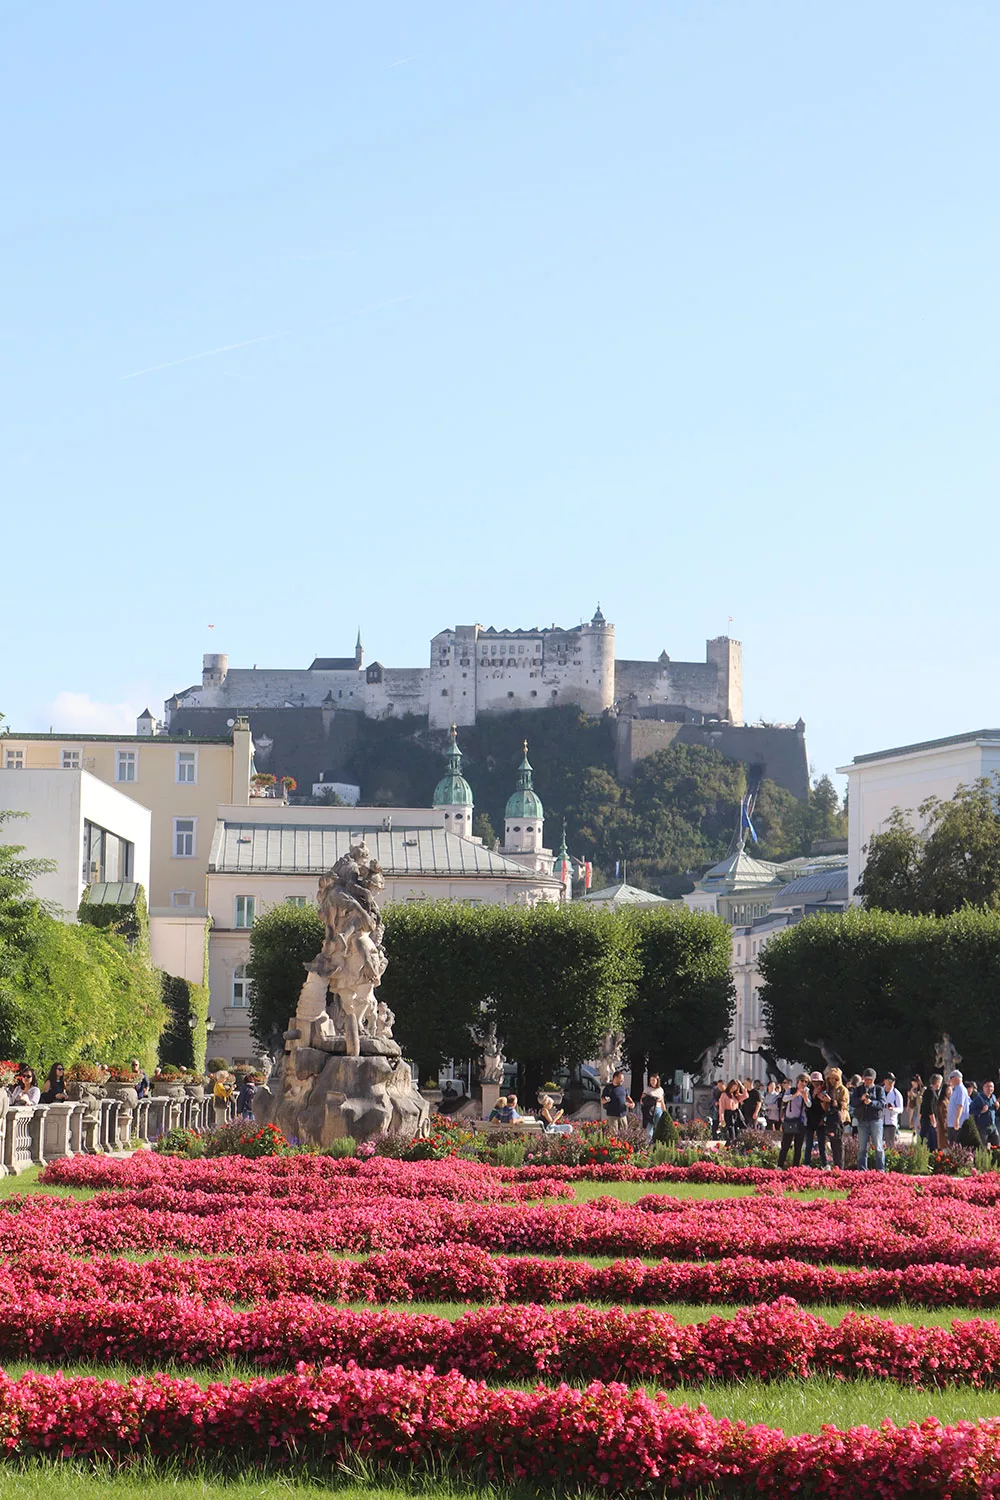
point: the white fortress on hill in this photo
(475, 670)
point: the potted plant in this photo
(263, 783)
(85, 1080)
(8, 1077)
(194, 1084)
(120, 1083)
(168, 1082)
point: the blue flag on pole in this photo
(618, 866)
(746, 808)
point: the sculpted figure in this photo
(493, 1058)
(384, 1022)
(352, 958)
(610, 1057)
(946, 1057)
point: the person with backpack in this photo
(652, 1104)
(793, 1124)
(868, 1102)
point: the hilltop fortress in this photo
(475, 670)
(308, 722)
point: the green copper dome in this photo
(453, 790)
(525, 802)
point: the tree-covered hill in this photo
(676, 816)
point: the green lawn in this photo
(43, 1480)
(806, 1405)
(28, 1183)
(631, 1192)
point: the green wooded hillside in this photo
(673, 819)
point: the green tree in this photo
(561, 976)
(891, 878)
(184, 1040)
(282, 940)
(683, 1001)
(483, 829)
(954, 862)
(438, 978)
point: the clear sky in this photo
(411, 315)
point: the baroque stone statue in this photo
(342, 1072)
(610, 1057)
(493, 1058)
(946, 1057)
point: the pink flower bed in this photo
(465, 1273)
(772, 1342)
(601, 1437)
(883, 1223)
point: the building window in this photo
(125, 767)
(184, 831)
(296, 901)
(444, 692)
(105, 855)
(70, 760)
(187, 766)
(241, 988)
(182, 898)
(246, 907)
(14, 760)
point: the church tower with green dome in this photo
(453, 794)
(524, 815)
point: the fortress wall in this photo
(694, 684)
(776, 753)
(273, 688)
(403, 690)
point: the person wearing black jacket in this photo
(868, 1103)
(929, 1111)
(819, 1103)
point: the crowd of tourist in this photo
(816, 1110)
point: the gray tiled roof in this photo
(311, 849)
(625, 895)
(831, 886)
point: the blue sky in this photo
(687, 306)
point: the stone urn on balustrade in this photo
(123, 1092)
(168, 1088)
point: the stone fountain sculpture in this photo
(342, 1073)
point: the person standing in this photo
(730, 1116)
(868, 1103)
(838, 1114)
(892, 1109)
(913, 1102)
(222, 1093)
(983, 1111)
(793, 1125)
(958, 1107)
(140, 1082)
(750, 1108)
(772, 1106)
(617, 1103)
(819, 1103)
(244, 1097)
(929, 1100)
(652, 1104)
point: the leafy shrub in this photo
(343, 1145)
(510, 1153)
(180, 1142)
(246, 1138)
(216, 1065)
(919, 1159)
(666, 1131)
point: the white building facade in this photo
(905, 777)
(92, 832)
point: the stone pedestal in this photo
(17, 1146)
(36, 1130)
(57, 1135)
(140, 1119)
(159, 1117)
(356, 1096)
(491, 1093)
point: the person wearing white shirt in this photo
(25, 1090)
(958, 1106)
(892, 1111)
